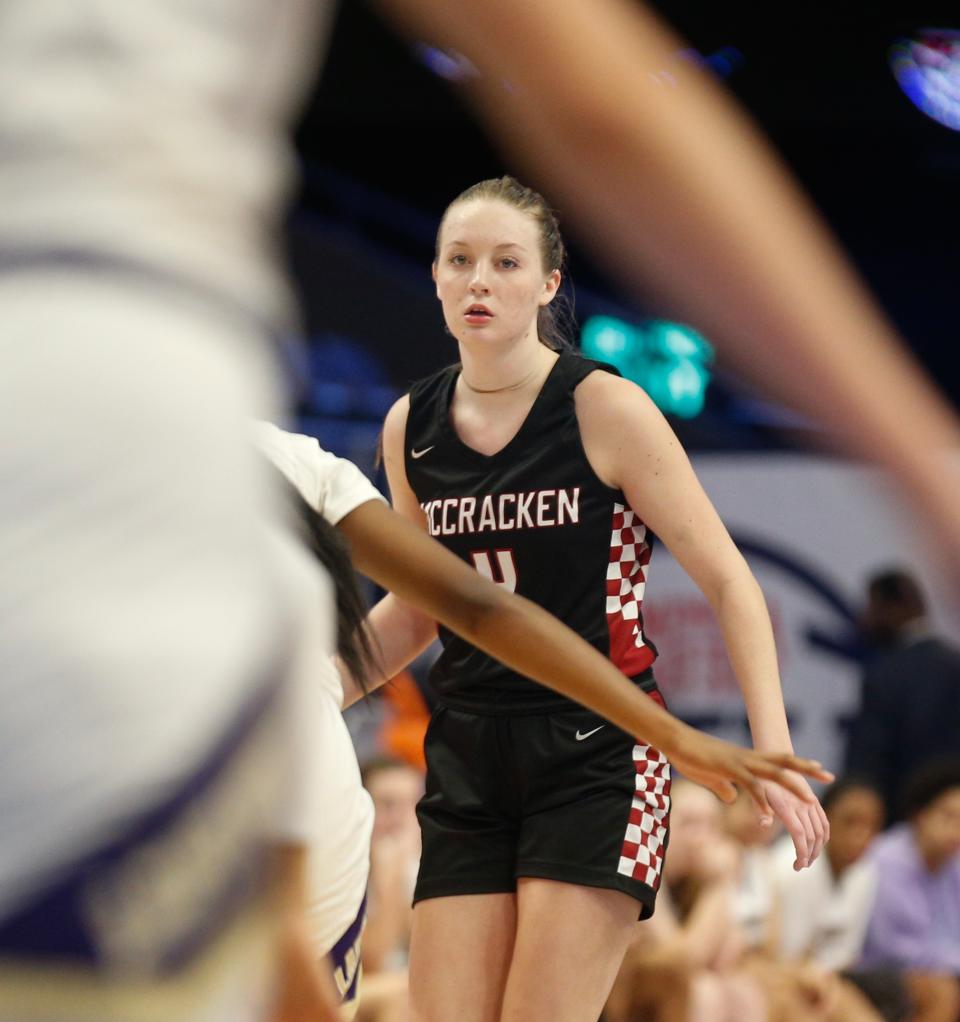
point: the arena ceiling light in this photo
(927, 68)
(671, 361)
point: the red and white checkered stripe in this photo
(626, 580)
(642, 854)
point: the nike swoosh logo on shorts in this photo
(420, 454)
(581, 737)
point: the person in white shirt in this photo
(824, 910)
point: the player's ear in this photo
(550, 287)
(433, 274)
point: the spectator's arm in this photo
(709, 928)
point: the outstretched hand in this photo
(774, 780)
(803, 819)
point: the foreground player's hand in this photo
(722, 768)
(305, 988)
(803, 818)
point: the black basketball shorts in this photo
(562, 796)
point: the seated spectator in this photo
(682, 965)
(910, 693)
(824, 911)
(693, 961)
(796, 988)
(915, 923)
(755, 904)
(395, 788)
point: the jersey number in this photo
(505, 571)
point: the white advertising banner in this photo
(813, 529)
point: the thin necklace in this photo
(499, 390)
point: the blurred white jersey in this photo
(154, 135)
(332, 486)
(335, 817)
(146, 621)
(146, 617)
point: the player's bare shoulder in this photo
(394, 460)
(395, 429)
(617, 421)
(395, 423)
(607, 404)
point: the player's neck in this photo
(492, 373)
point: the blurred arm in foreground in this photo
(680, 197)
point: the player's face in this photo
(489, 273)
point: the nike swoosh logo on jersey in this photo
(581, 737)
(419, 454)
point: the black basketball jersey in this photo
(533, 517)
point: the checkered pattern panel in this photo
(626, 580)
(643, 845)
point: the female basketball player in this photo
(56, 234)
(331, 860)
(432, 582)
(543, 828)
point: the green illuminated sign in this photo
(669, 360)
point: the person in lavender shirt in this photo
(915, 922)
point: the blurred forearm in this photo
(678, 194)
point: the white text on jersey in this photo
(505, 512)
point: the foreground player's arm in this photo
(398, 555)
(632, 447)
(305, 987)
(678, 194)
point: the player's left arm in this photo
(631, 447)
